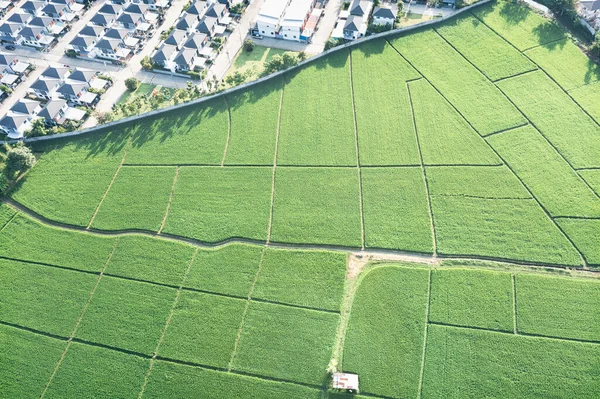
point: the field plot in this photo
(27, 362)
(317, 206)
(127, 314)
(592, 177)
(203, 329)
(475, 181)
(229, 270)
(94, 372)
(70, 179)
(179, 381)
(554, 113)
(558, 307)
(384, 340)
(137, 199)
(286, 343)
(213, 204)
(384, 122)
(444, 136)
(196, 134)
(492, 55)
(396, 210)
(519, 25)
(588, 97)
(551, 180)
(317, 125)
(585, 233)
(470, 363)
(6, 214)
(254, 120)
(41, 297)
(566, 64)
(466, 88)
(500, 228)
(145, 258)
(472, 298)
(304, 278)
(54, 246)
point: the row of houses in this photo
(12, 70)
(288, 19)
(188, 46)
(55, 96)
(39, 23)
(116, 31)
(353, 23)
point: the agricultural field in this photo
(421, 209)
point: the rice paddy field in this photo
(422, 210)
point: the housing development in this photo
(301, 199)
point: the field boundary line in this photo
(247, 165)
(481, 197)
(228, 130)
(33, 330)
(577, 217)
(164, 331)
(543, 44)
(507, 129)
(516, 75)
(514, 295)
(422, 371)
(423, 168)
(243, 321)
(581, 256)
(357, 149)
(85, 307)
(108, 188)
(9, 220)
(162, 225)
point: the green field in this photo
(422, 209)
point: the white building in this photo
(294, 19)
(269, 17)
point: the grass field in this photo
(421, 209)
(252, 62)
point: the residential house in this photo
(20, 17)
(89, 77)
(196, 41)
(117, 33)
(33, 7)
(361, 8)
(7, 62)
(27, 107)
(83, 44)
(176, 38)
(44, 87)
(69, 4)
(207, 26)
(55, 10)
(59, 72)
(45, 23)
(9, 32)
(101, 19)
(217, 10)
(294, 19)
(91, 31)
(108, 47)
(184, 61)
(15, 125)
(355, 26)
(76, 92)
(198, 8)
(269, 16)
(111, 9)
(54, 111)
(136, 8)
(5, 7)
(589, 12)
(130, 20)
(384, 16)
(187, 22)
(163, 54)
(35, 37)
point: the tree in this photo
(595, 47)
(18, 159)
(302, 56)
(235, 79)
(248, 45)
(104, 117)
(146, 63)
(280, 62)
(132, 84)
(38, 128)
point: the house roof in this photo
(206, 24)
(13, 121)
(64, 2)
(71, 88)
(176, 37)
(185, 57)
(215, 10)
(82, 75)
(345, 381)
(32, 5)
(31, 31)
(187, 21)
(7, 59)
(384, 12)
(19, 17)
(136, 8)
(82, 41)
(52, 9)
(52, 108)
(25, 106)
(110, 8)
(297, 11)
(44, 84)
(10, 27)
(272, 10)
(164, 52)
(129, 18)
(352, 23)
(360, 7)
(591, 5)
(197, 7)
(55, 72)
(196, 41)
(91, 30)
(101, 19)
(116, 33)
(108, 43)
(41, 22)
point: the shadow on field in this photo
(374, 47)
(255, 94)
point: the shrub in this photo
(236, 78)
(71, 53)
(146, 63)
(248, 45)
(132, 84)
(104, 117)
(280, 62)
(38, 128)
(18, 159)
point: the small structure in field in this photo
(345, 381)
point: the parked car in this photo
(10, 47)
